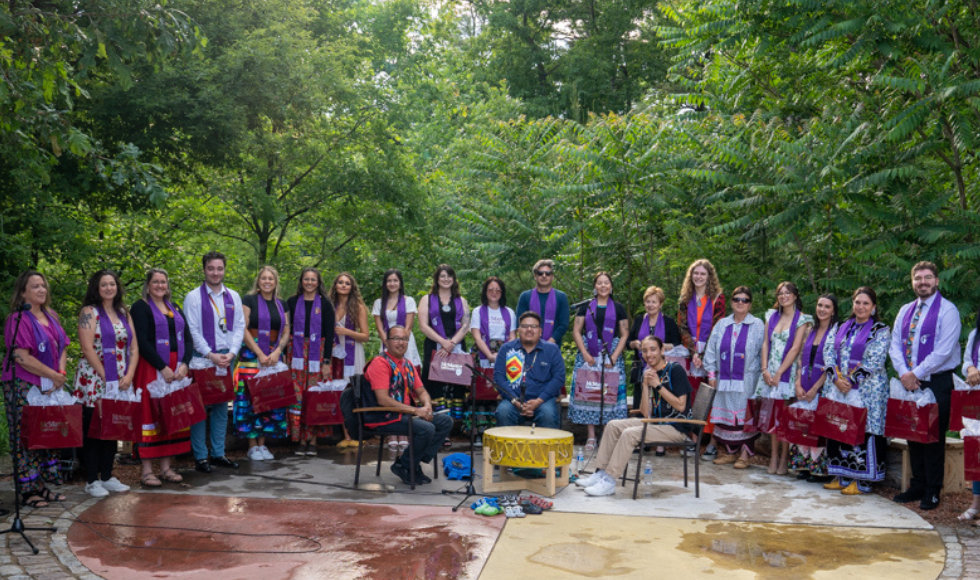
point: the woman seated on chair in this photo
(665, 396)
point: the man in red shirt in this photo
(396, 383)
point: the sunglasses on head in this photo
(544, 272)
(742, 300)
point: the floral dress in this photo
(778, 343)
(88, 386)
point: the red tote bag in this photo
(180, 409)
(796, 426)
(588, 386)
(51, 427)
(766, 415)
(453, 369)
(322, 408)
(272, 391)
(963, 404)
(840, 422)
(115, 420)
(906, 420)
(214, 389)
(485, 390)
(971, 458)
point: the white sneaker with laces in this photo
(589, 481)
(255, 453)
(95, 489)
(605, 486)
(266, 454)
(113, 484)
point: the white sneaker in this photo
(95, 489)
(605, 486)
(266, 454)
(589, 481)
(113, 484)
(255, 453)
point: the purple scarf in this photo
(435, 317)
(349, 324)
(927, 332)
(207, 314)
(265, 323)
(110, 345)
(733, 369)
(399, 316)
(858, 345)
(700, 333)
(299, 328)
(644, 332)
(162, 331)
(807, 377)
(42, 339)
(485, 326)
(550, 308)
(608, 326)
(773, 322)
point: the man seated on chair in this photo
(529, 373)
(396, 382)
(665, 394)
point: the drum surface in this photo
(518, 447)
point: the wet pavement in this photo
(745, 525)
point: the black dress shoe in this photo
(224, 462)
(930, 502)
(402, 473)
(819, 478)
(909, 496)
(202, 465)
(803, 475)
(421, 477)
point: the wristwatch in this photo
(657, 389)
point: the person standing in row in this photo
(702, 306)
(924, 352)
(857, 349)
(550, 303)
(971, 373)
(651, 323)
(39, 360)
(491, 325)
(394, 307)
(266, 337)
(733, 364)
(606, 326)
(312, 321)
(350, 333)
(786, 328)
(217, 324)
(165, 347)
(109, 357)
(444, 318)
(811, 462)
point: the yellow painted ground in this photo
(564, 545)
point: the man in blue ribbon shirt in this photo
(529, 373)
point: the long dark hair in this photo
(870, 293)
(435, 280)
(384, 287)
(835, 316)
(93, 298)
(796, 292)
(20, 286)
(503, 292)
(319, 283)
(354, 301)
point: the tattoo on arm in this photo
(85, 319)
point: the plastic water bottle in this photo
(579, 459)
(647, 479)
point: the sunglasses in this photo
(742, 300)
(544, 273)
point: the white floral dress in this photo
(89, 387)
(778, 344)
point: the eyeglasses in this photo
(742, 300)
(544, 273)
(397, 339)
(529, 327)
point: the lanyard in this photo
(222, 321)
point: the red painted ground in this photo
(358, 540)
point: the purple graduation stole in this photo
(299, 328)
(732, 365)
(927, 334)
(858, 345)
(808, 377)
(644, 332)
(976, 348)
(207, 314)
(550, 310)
(349, 324)
(485, 326)
(773, 322)
(608, 326)
(110, 346)
(161, 331)
(435, 318)
(702, 332)
(265, 323)
(46, 352)
(399, 316)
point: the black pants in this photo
(928, 460)
(97, 454)
(427, 437)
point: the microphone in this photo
(469, 366)
(579, 304)
(24, 307)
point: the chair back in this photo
(703, 402)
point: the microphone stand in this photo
(469, 490)
(17, 526)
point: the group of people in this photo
(789, 356)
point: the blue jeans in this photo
(218, 418)
(547, 415)
(427, 437)
(976, 488)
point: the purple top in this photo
(29, 339)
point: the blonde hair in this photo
(654, 291)
(712, 289)
(255, 285)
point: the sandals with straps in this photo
(171, 476)
(150, 480)
(37, 502)
(50, 496)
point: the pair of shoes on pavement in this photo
(260, 453)
(102, 488)
(927, 501)
(204, 465)
(598, 484)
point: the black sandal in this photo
(38, 502)
(49, 496)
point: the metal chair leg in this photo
(639, 460)
(411, 454)
(360, 448)
(697, 474)
(685, 465)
